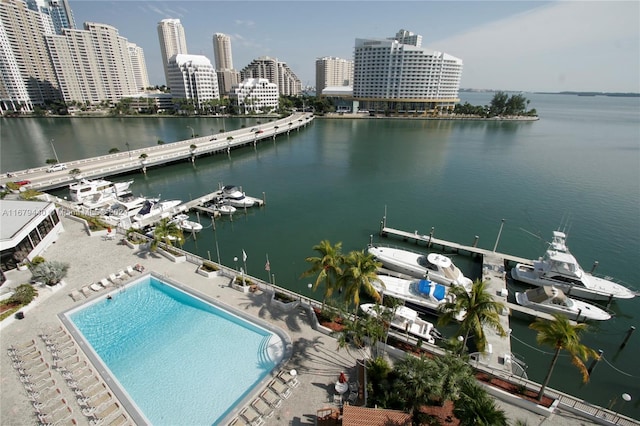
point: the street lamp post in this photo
(223, 108)
(193, 134)
(54, 150)
(128, 149)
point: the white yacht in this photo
(153, 208)
(435, 267)
(423, 294)
(187, 225)
(552, 300)
(127, 206)
(407, 320)
(85, 188)
(232, 196)
(560, 269)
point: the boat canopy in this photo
(540, 294)
(432, 289)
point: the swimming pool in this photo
(181, 360)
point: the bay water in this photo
(576, 169)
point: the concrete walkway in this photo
(315, 355)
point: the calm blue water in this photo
(182, 361)
(578, 167)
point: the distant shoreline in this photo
(612, 94)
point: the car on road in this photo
(22, 182)
(57, 167)
(255, 129)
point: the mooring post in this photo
(595, 265)
(626, 338)
(609, 301)
(578, 316)
(370, 239)
(430, 236)
(595, 361)
(475, 241)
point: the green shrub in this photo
(24, 294)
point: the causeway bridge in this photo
(144, 158)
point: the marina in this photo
(337, 198)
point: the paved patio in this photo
(315, 355)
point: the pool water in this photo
(182, 361)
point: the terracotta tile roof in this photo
(363, 416)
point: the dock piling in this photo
(595, 265)
(626, 338)
(595, 361)
(475, 241)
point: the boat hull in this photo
(411, 324)
(528, 275)
(580, 311)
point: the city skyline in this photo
(523, 46)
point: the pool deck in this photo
(315, 355)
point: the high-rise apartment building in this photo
(392, 76)
(331, 72)
(227, 75)
(193, 77)
(222, 51)
(23, 36)
(139, 66)
(58, 10)
(93, 64)
(276, 72)
(13, 91)
(172, 42)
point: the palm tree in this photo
(360, 271)
(476, 407)
(478, 309)
(414, 384)
(561, 334)
(166, 232)
(327, 266)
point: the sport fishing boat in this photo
(552, 300)
(86, 189)
(405, 319)
(560, 269)
(423, 295)
(435, 267)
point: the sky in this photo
(529, 46)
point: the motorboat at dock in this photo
(85, 188)
(421, 294)
(153, 208)
(233, 196)
(187, 225)
(552, 300)
(433, 266)
(559, 268)
(405, 319)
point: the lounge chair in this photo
(50, 406)
(106, 283)
(263, 408)
(115, 280)
(36, 379)
(99, 417)
(69, 364)
(252, 416)
(84, 384)
(78, 373)
(122, 275)
(91, 394)
(97, 402)
(29, 363)
(45, 395)
(280, 388)
(56, 417)
(290, 380)
(271, 398)
(76, 295)
(96, 287)
(239, 421)
(130, 270)
(35, 369)
(119, 420)
(22, 347)
(40, 387)
(86, 291)
(28, 355)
